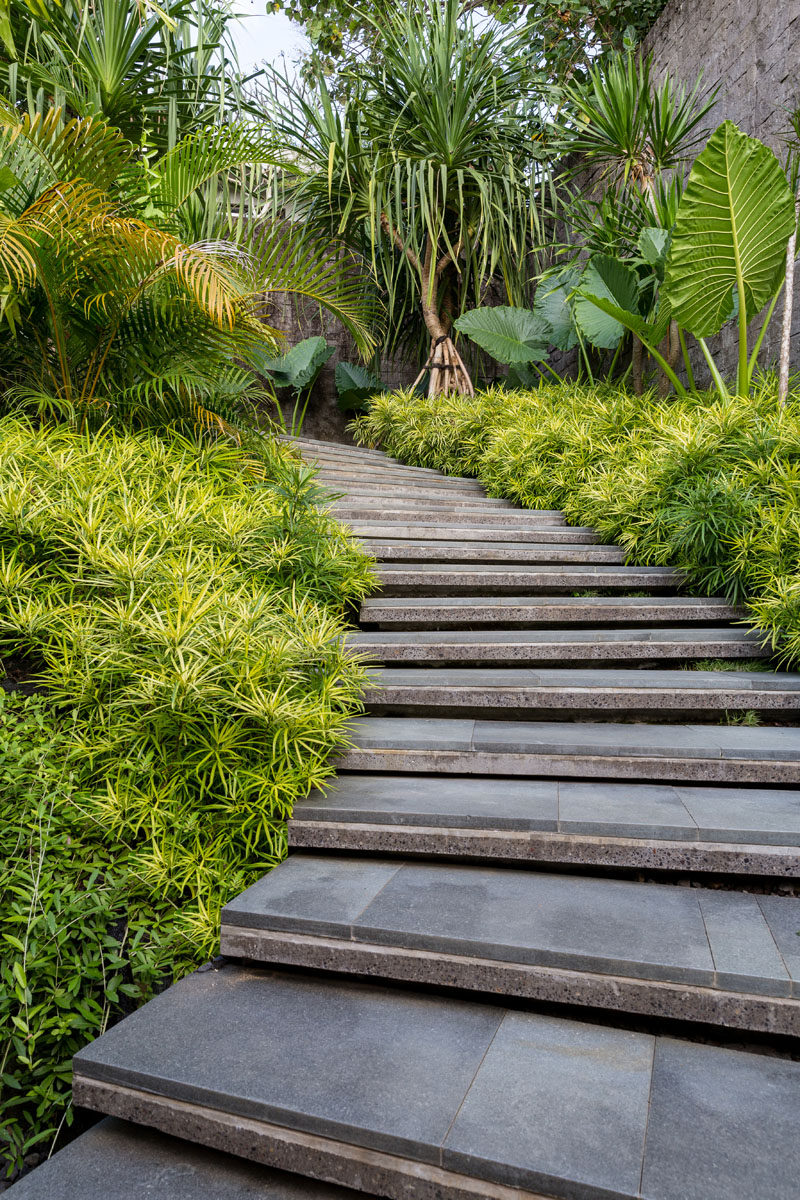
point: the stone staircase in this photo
(539, 938)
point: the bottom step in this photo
(119, 1161)
(401, 1094)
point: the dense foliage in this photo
(182, 607)
(705, 483)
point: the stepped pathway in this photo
(481, 972)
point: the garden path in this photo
(540, 936)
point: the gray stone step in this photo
(398, 550)
(653, 949)
(422, 497)
(596, 693)
(455, 612)
(475, 514)
(412, 1095)
(498, 647)
(426, 529)
(509, 579)
(117, 1160)
(592, 750)
(731, 830)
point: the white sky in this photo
(262, 36)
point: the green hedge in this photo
(181, 608)
(707, 485)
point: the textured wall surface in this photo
(752, 51)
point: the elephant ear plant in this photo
(726, 257)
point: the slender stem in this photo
(680, 390)
(610, 370)
(582, 345)
(687, 362)
(742, 375)
(751, 366)
(712, 366)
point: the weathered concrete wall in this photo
(751, 49)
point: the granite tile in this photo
(624, 810)
(732, 814)
(418, 800)
(115, 1160)
(724, 1125)
(745, 955)
(558, 1107)
(782, 914)
(648, 931)
(319, 894)
(381, 1068)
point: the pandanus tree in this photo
(427, 165)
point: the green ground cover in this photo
(177, 610)
(707, 484)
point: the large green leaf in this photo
(552, 304)
(354, 386)
(510, 335)
(653, 246)
(733, 223)
(611, 280)
(298, 367)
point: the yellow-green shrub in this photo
(181, 607)
(708, 485)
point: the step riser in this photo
(306, 1154)
(533, 616)
(417, 498)
(556, 655)
(388, 479)
(548, 766)
(666, 707)
(544, 849)
(475, 552)
(536, 983)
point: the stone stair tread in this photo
(458, 571)
(117, 1160)
(476, 514)
(579, 738)
(387, 476)
(581, 923)
(756, 816)
(453, 1087)
(597, 603)
(545, 645)
(361, 494)
(573, 678)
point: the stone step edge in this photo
(502, 979)
(642, 768)
(373, 1172)
(539, 847)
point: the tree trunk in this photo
(447, 372)
(788, 306)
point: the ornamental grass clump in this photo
(707, 484)
(179, 609)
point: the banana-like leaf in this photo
(354, 386)
(733, 224)
(552, 304)
(298, 367)
(614, 282)
(510, 335)
(653, 246)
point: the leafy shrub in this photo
(704, 483)
(181, 606)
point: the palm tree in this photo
(427, 165)
(112, 313)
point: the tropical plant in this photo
(112, 313)
(156, 69)
(727, 256)
(793, 170)
(179, 606)
(298, 370)
(354, 387)
(427, 166)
